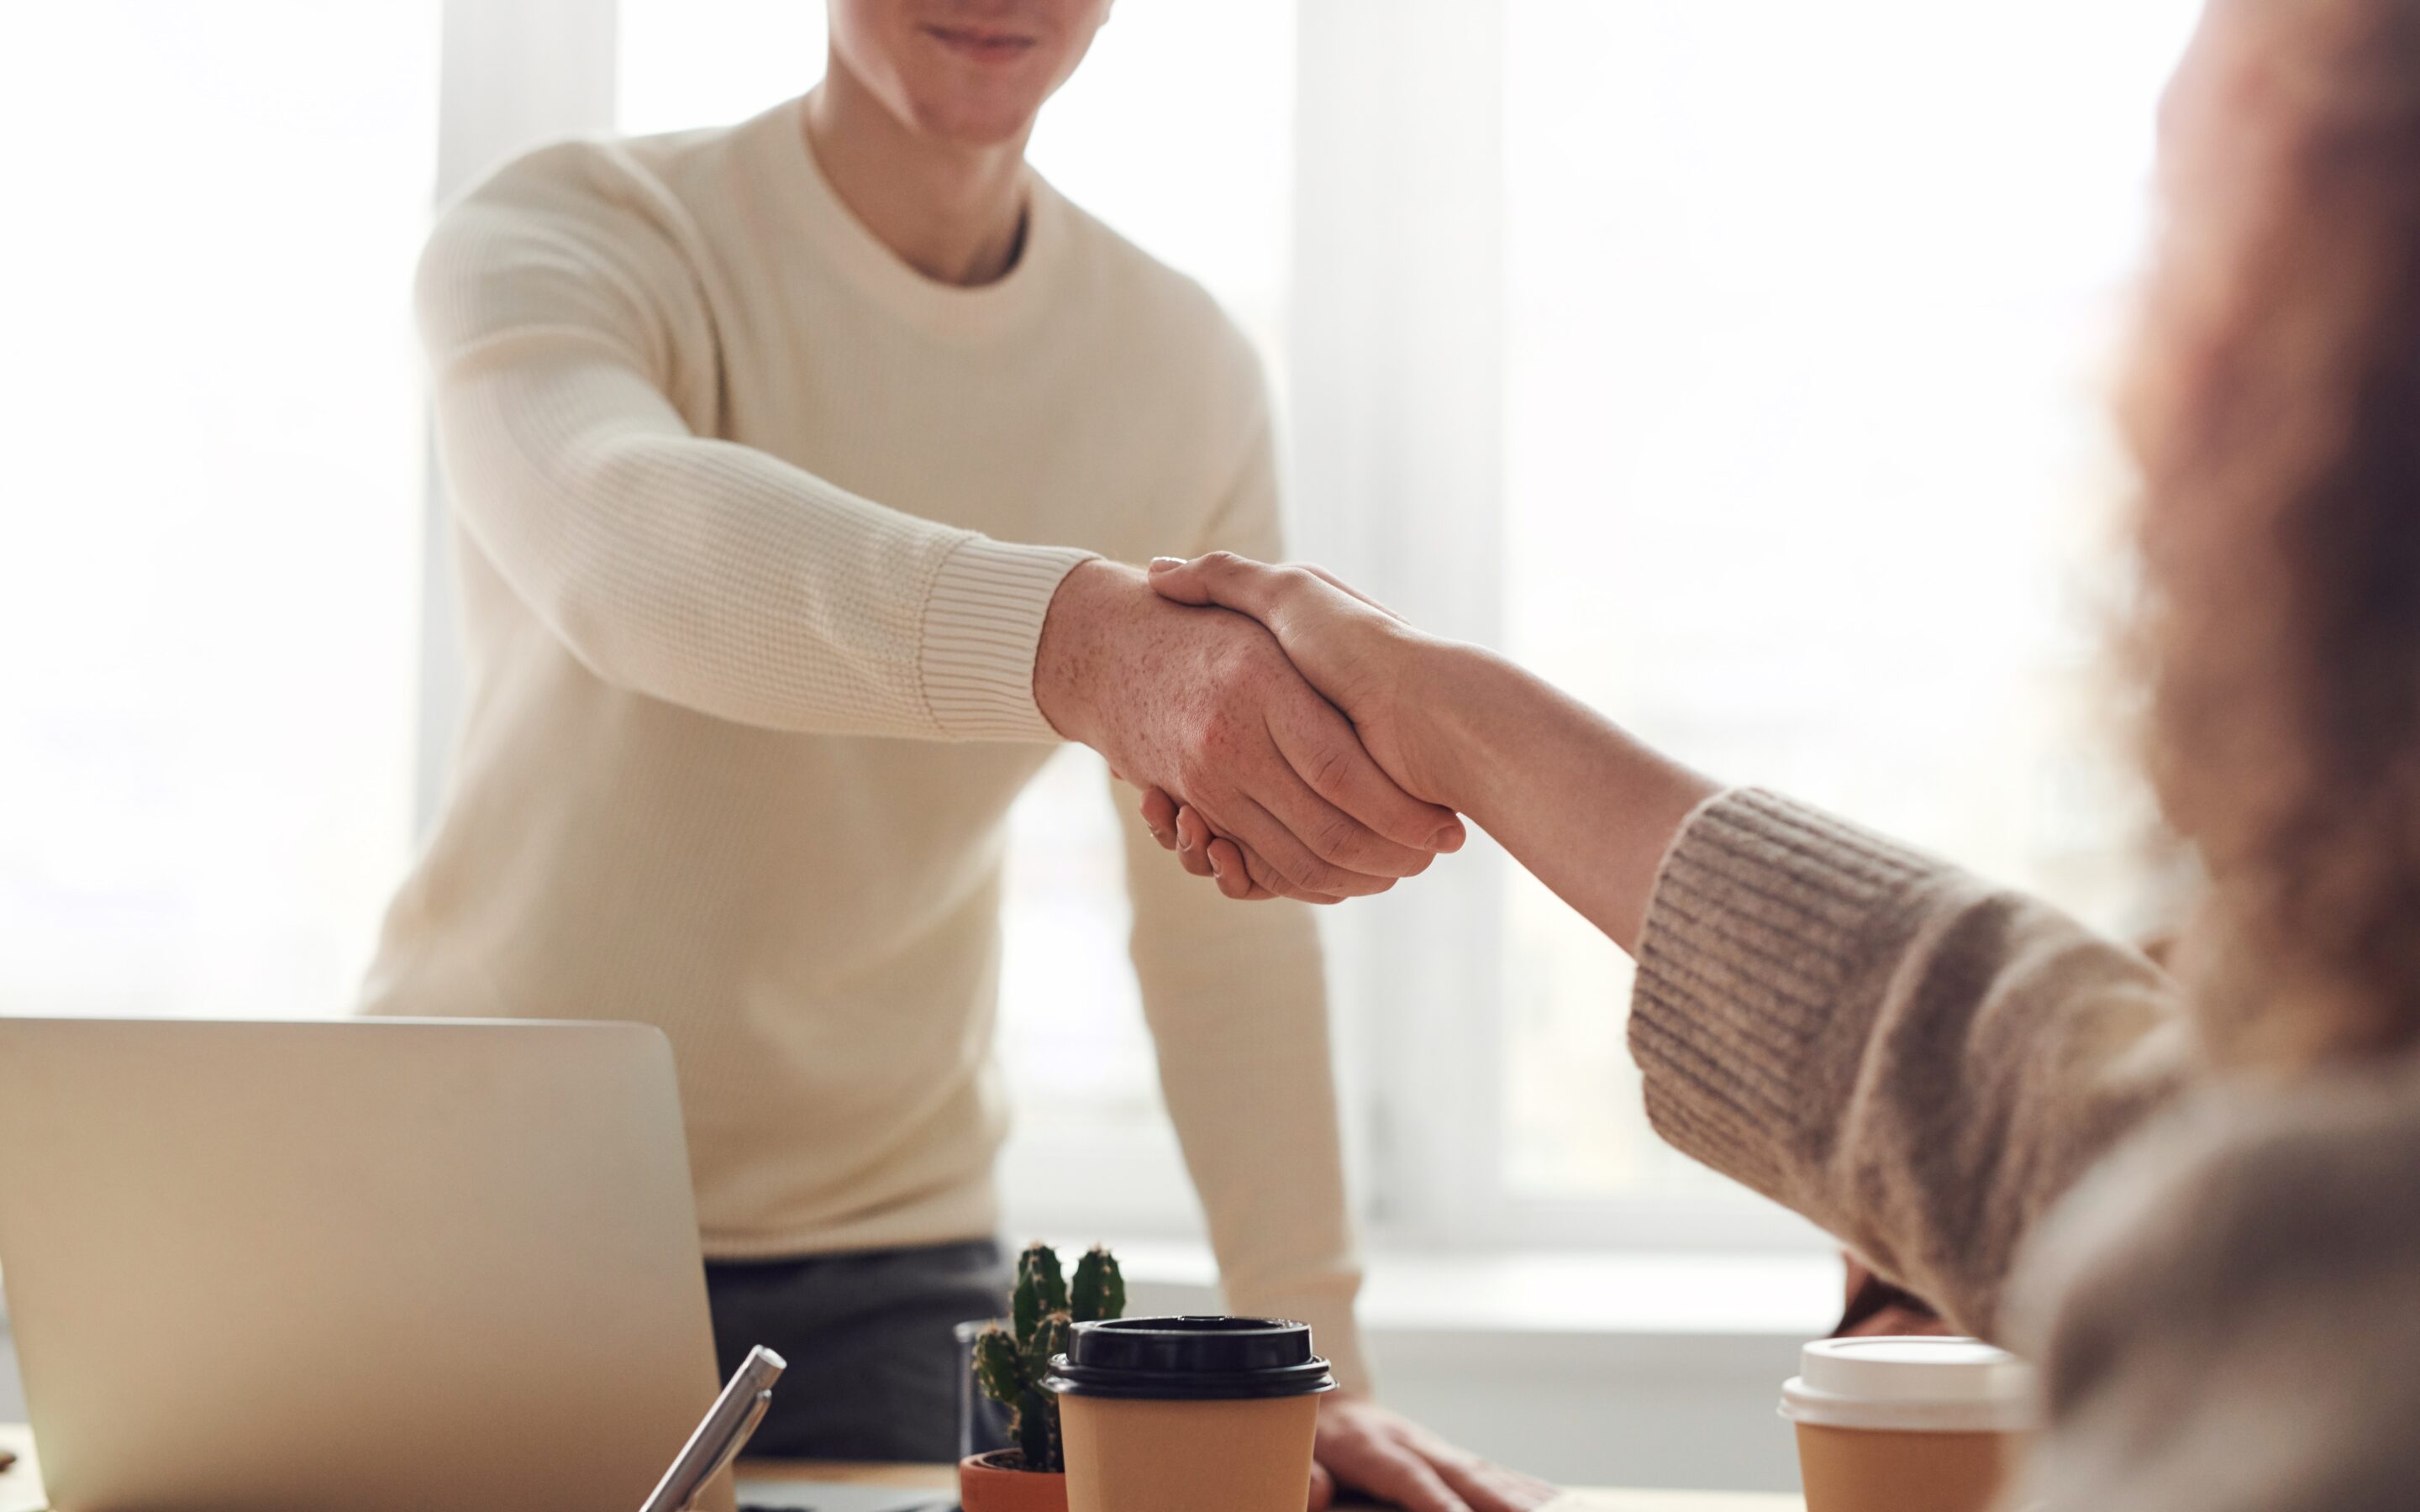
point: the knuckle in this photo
(1239, 668)
(1211, 736)
(1336, 836)
(1322, 877)
(1330, 770)
(1228, 743)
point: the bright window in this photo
(1796, 464)
(209, 589)
(1810, 310)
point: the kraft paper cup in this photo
(1190, 1414)
(1914, 1424)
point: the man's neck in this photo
(954, 213)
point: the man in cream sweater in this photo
(790, 461)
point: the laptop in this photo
(384, 1265)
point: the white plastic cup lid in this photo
(1911, 1382)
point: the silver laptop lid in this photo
(376, 1264)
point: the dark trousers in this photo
(871, 1342)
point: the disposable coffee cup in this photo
(1190, 1414)
(1912, 1424)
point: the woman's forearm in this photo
(1823, 1015)
(1587, 808)
(1583, 805)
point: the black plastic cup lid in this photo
(1190, 1359)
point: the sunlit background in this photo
(1796, 323)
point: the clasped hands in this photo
(1278, 745)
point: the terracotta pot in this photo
(997, 1482)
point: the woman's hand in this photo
(1357, 654)
(1578, 801)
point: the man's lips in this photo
(979, 45)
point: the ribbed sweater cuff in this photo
(1764, 912)
(982, 623)
(1327, 1305)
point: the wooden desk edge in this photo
(944, 1478)
(20, 1492)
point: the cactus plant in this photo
(1011, 1363)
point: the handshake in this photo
(1275, 720)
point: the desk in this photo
(21, 1487)
(942, 1479)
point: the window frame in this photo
(1398, 479)
(509, 77)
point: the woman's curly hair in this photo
(2275, 410)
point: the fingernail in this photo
(1184, 839)
(1160, 564)
(1448, 838)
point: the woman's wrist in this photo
(1446, 701)
(1586, 806)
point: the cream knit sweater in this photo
(758, 531)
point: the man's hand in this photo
(1359, 656)
(1363, 1447)
(1358, 653)
(1201, 703)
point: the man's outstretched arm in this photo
(568, 344)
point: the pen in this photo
(718, 1440)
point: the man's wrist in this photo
(1076, 630)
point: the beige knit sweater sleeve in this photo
(2226, 1309)
(1919, 1061)
(570, 351)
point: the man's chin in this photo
(977, 124)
